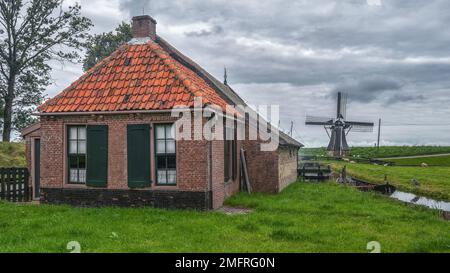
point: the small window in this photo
(77, 154)
(166, 163)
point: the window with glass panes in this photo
(166, 171)
(77, 154)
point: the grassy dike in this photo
(12, 154)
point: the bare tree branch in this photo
(32, 31)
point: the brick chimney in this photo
(144, 26)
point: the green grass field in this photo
(12, 155)
(430, 161)
(388, 151)
(435, 181)
(304, 218)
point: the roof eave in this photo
(30, 129)
(292, 145)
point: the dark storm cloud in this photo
(369, 89)
(310, 42)
(393, 59)
(402, 98)
(306, 42)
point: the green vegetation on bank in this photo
(434, 181)
(304, 218)
(385, 151)
(12, 154)
(417, 161)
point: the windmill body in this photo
(338, 141)
(338, 128)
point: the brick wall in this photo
(191, 155)
(194, 171)
(262, 167)
(217, 173)
(221, 189)
(287, 164)
(52, 153)
(199, 163)
(269, 171)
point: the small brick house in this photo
(109, 138)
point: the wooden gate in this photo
(14, 185)
(314, 171)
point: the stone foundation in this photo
(127, 198)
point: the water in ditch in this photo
(423, 201)
(405, 196)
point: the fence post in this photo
(26, 185)
(20, 184)
(8, 184)
(14, 184)
(2, 184)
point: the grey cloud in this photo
(276, 49)
(405, 98)
(214, 31)
(369, 89)
(136, 7)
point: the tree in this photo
(32, 33)
(102, 45)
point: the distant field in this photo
(12, 155)
(435, 181)
(386, 151)
(430, 161)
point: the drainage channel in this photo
(406, 197)
(422, 201)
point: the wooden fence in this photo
(14, 185)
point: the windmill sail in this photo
(312, 120)
(342, 105)
(357, 126)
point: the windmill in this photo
(338, 128)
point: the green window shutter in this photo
(138, 143)
(97, 155)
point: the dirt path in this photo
(414, 156)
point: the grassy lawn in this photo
(435, 181)
(431, 161)
(12, 155)
(387, 151)
(304, 218)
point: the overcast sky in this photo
(391, 56)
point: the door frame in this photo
(33, 165)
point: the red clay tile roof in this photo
(135, 77)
